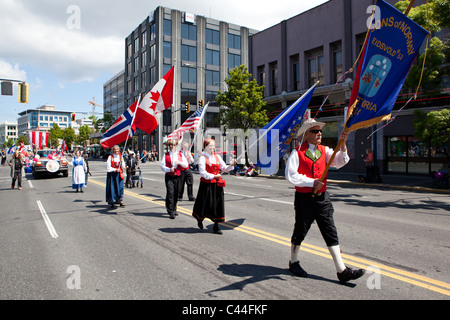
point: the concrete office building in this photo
(322, 44)
(202, 50)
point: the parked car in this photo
(49, 162)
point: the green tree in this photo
(242, 104)
(55, 133)
(69, 135)
(85, 134)
(433, 18)
(433, 127)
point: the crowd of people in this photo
(304, 168)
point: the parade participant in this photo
(87, 172)
(210, 197)
(131, 169)
(16, 164)
(115, 167)
(171, 164)
(186, 174)
(78, 172)
(304, 169)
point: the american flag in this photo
(191, 123)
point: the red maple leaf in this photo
(155, 97)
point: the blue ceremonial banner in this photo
(390, 50)
(280, 132)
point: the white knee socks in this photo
(335, 252)
(294, 253)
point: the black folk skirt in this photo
(209, 203)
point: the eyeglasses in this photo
(315, 131)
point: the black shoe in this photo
(113, 206)
(200, 224)
(122, 204)
(216, 229)
(297, 270)
(192, 199)
(172, 216)
(350, 274)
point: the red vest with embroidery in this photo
(211, 168)
(177, 171)
(311, 168)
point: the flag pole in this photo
(199, 124)
(350, 110)
(278, 120)
(132, 120)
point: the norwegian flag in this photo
(122, 129)
(154, 103)
(191, 123)
(38, 139)
(63, 146)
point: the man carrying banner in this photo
(304, 169)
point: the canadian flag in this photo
(154, 103)
(38, 139)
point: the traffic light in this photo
(73, 117)
(7, 88)
(200, 103)
(23, 92)
(187, 107)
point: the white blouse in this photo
(301, 180)
(116, 159)
(212, 160)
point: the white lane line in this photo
(29, 183)
(47, 221)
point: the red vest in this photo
(177, 171)
(211, 168)
(311, 168)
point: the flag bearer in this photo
(171, 164)
(304, 169)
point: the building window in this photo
(315, 70)
(189, 95)
(295, 69)
(273, 78)
(130, 50)
(153, 32)
(136, 45)
(144, 79)
(188, 31)
(167, 27)
(212, 36)
(144, 38)
(261, 75)
(189, 53)
(234, 41)
(152, 53)
(167, 49)
(188, 75)
(144, 59)
(212, 57)
(336, 50)
(212, 77)
(136, 64)
(233, 60)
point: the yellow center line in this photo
(394, 273)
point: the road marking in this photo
(47, 221)
(29, 183)
(254, 197)
(394, 273)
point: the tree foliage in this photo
(433, 17)
(433, 127)
(243, 107)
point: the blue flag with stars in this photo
(281, 131)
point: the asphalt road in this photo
(58, 244)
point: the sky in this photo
(67, 49)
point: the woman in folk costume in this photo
(210, 197)
(171, 164)
(115, 166)
(304, 169)
(78, 172)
